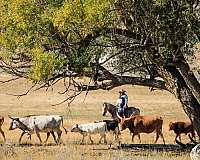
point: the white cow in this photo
(91, 128)
(36, 124)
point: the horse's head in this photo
(108, 107)
(105, 109)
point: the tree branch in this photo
(122, 80)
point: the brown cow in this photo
(182, 127)
(1, 123)
(142, 124)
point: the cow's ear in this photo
(17, 119)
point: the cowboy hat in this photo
(122, 91)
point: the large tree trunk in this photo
(187, 90)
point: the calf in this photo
(181, 127)
(142, 124)
(91, 128)
(1, 123)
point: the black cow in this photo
(112, 126)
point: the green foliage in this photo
(49, 25)
(45, 64)
(81, 17)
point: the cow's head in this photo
(171, 126)
(15, 123)
(76, 128)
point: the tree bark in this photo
(185, 92)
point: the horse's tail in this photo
(138, 111)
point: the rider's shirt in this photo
(122, 102)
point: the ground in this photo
(40, 102)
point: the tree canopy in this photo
(59, 36)
(49, 33)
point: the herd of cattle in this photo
(50, 124)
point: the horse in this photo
(112, 109)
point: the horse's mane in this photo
(106, 103)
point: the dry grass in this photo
(40, 102)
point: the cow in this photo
(38, 123)
(181, 127)
(142, 124)
(91, 128)
(112, 126)
(1, 123)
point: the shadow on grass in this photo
(36, 145)
(157, 147)
(173, 148)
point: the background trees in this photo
(143, 42)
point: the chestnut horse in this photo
(112, 109)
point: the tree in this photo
(116, 42)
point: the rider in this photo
(122, 102)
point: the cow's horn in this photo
(13, 118)
(10, 117)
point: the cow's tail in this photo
(63, 125)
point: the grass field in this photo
(40, 102)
